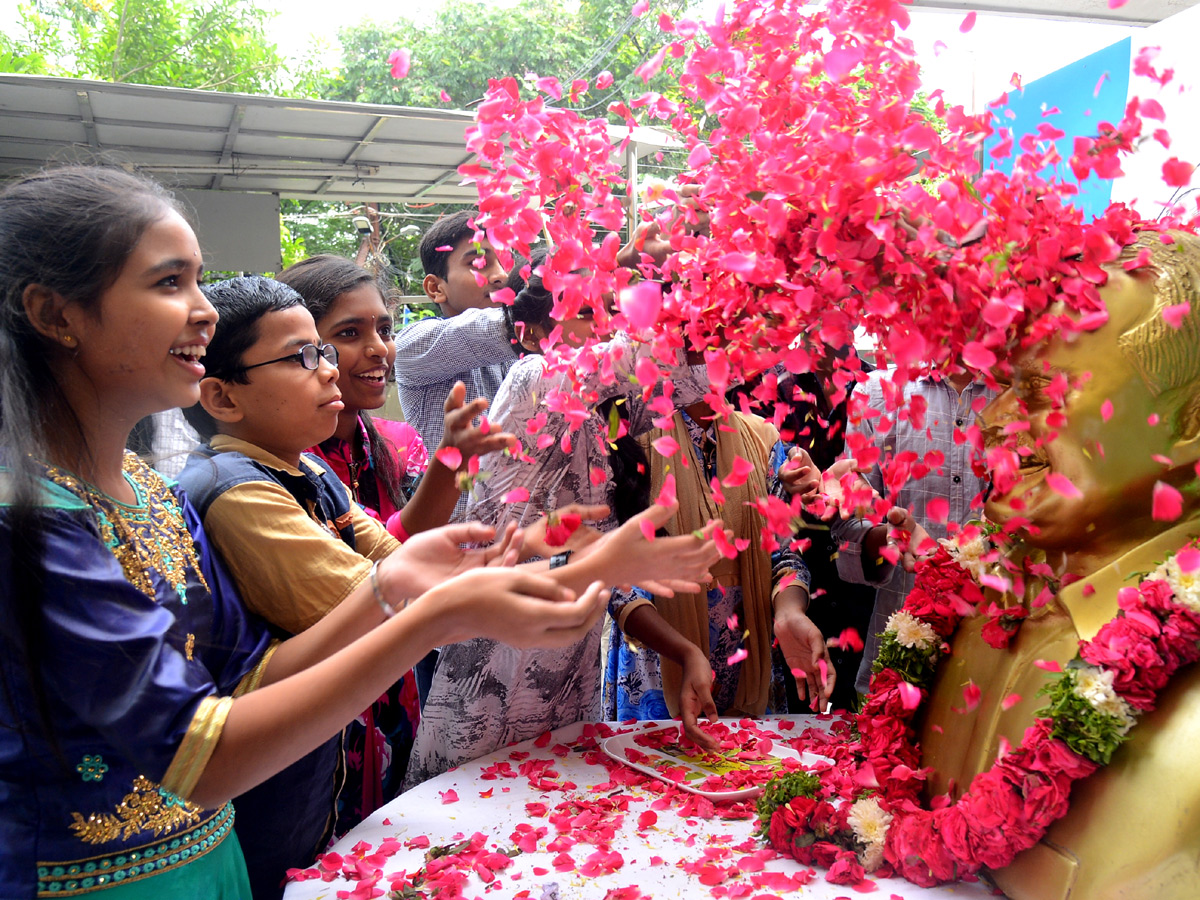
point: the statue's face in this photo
(1109, 462)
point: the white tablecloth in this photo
(492, 798)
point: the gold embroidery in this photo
(150, 535)
(147, 807)
(189, 646)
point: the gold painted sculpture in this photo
(1133, 829)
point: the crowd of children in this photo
(249, 634)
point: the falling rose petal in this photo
(445, 248)
(978, 356)
(560, 528)
(1106, 410)
(1176, 172)
(1167, 503)
(939, 47)
(647, 529)
(938, 509)
(738, 656)
(972, 695)
(839, 63)
(1010, 701)
(727, 549)
(400, 60)
(968, 22)
(1116, 4)
(450, 796)
(738, 472)
(450, 457)
(1152, 419)
(823, 671)
(850, 640)
(444, 97)
(1188, 560)
(485, 426)
(739, 263)
(516, 495)
(642, 304)
(732, 622)
(699, 156)
(666, 497)
(665, 445)
(910, 695)
(604, 80)
(1174, 315)
(1100, 84)
(1061, 484)
(1048, 665)
(640, 8)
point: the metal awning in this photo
(205, 140)
(1135, 12)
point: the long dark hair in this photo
(320, 280)
(70, 230)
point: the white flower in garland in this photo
(1185, 585)
(911, 632)
(970, 555)
(1096, 687)
(870, 823)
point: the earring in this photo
(69, 340)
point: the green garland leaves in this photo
(778, 791)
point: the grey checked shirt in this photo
(432, 354)
(957, 480)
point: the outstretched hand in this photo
(460, 431)
(804, 651)
(844, 492)
(908, 540)
(661, 565)
(799, 475)
(516, 607)
(696, 699)
(429, 558)
(534, 537)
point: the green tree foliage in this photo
(471, 42)
(210, 44)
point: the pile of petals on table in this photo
(581, 826)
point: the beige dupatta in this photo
(752, 439)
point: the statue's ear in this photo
(1185, 423)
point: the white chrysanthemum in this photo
(1096, 687)
(1184, 585)
(970, 555)
(910, 631)
(870, 823)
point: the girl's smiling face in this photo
(359, 325)
(142, 345)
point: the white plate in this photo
(616, 746)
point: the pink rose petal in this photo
(665, 445)
(400, 60)
(450, 457)
(1061, 484)
(910, 695)
(516, 495)
(1167, 503)
(968, 22)
(450, 796)
(642, 304)
(1048, 665)
(1175, 314)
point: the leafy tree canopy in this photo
(211, 44)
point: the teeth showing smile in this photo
(375, 376)
(191, 353)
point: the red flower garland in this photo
(1008, 808)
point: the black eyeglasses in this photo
(309, 356)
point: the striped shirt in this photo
(958, 480)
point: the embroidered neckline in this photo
(143, 537)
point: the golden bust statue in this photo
(1132, 418)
